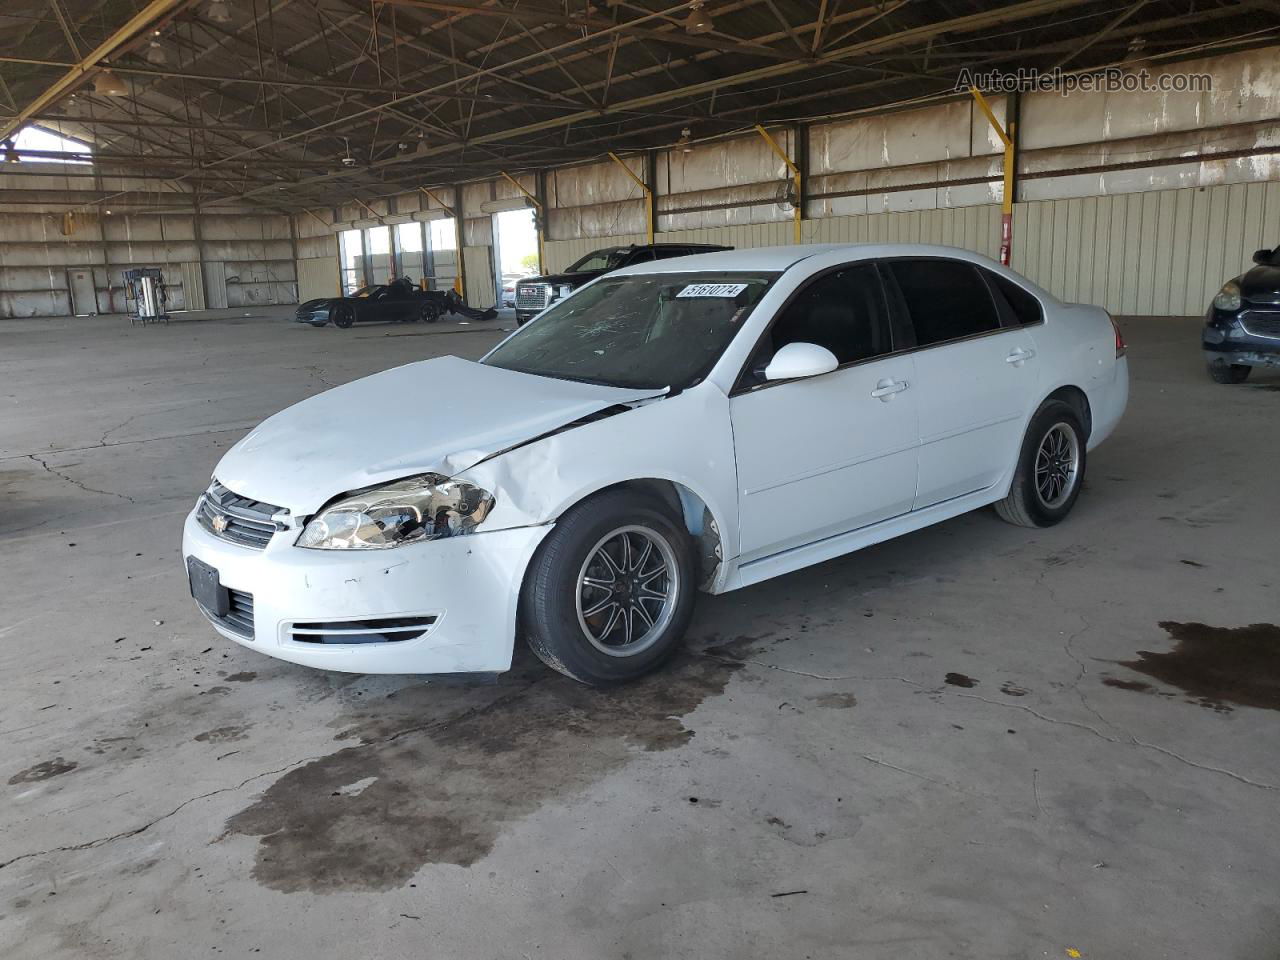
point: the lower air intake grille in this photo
(384, 630)
(239, 618)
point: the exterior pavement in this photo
(952, 744)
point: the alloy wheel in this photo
(1057, 466)
(627, 590)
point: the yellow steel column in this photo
(797, 213)
(459, 280)
(648, 196)
(1006, 204)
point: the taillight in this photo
(1120, 344)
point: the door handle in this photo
(1019, 356)
(885, 389)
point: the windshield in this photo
(367, 291)
(647, 332)
(608, 259)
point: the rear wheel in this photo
(1050, 468)
(1222, 372)
(610, 592)
(343, 316)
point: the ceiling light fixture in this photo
(698, 20)
(686, 140)
(218, 11)
(107, 84)
(156, 54)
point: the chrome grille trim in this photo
(532, 296)
(1261, 323)
(249, 523)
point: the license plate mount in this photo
(207, 588)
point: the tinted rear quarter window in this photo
(1024, 307)
(946, 299)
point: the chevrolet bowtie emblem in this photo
(219, 523)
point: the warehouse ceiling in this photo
(303, 103)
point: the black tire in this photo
(429, 313)
(1222, 372)
(552, 595)
(1034, 499)
(343, 317)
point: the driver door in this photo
(824, 455)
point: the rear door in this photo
(975, 373)
(824, 455)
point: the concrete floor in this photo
(944, 746)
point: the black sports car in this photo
(1242, 326)
(398, 301)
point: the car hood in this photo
(576, 279)
(317, 304)
(436, 416)
(1261, 285)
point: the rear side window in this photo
(946, 299)
(1024, 308)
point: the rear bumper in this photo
(1107, 402)
(470, 585)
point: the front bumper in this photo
(470, 585)
(1250, 337)
(312, 316)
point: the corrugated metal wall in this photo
(1164, 252)
(317, 277)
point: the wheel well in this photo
(1075, 398)
(693, 512)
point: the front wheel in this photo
(610, 592)
(429, 313)
(1050, 468)
(1222, 372)
(343, 317)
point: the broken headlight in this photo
(413, 510)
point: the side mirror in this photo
(798, 360)
(1262, 258)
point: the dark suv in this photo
(1242, 327)
(537, 293)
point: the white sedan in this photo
(701, 423)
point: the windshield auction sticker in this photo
(712, 290)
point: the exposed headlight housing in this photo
(413, 510)
(563, 290)
(1228, 297)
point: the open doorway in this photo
(515, 251)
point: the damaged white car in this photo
(701, 423)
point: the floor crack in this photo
(804, 673)
(1127, 740)
(76, 483)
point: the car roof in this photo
(783, 257)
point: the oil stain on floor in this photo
(1216, 665)
(441, 793)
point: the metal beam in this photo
(648, 195)
(152, 12)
